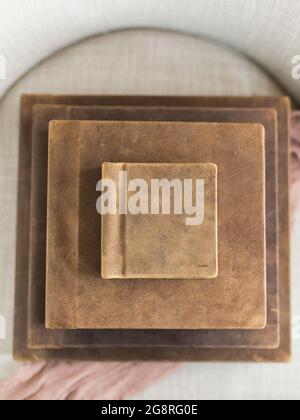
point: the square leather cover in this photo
(40, 337)
(159, 220)
(21, 350)
(77, 298)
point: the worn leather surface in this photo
(280, 354)
(77, 298)
(39, 337)
(161, 245)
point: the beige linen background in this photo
(141, 62)
(267, 31)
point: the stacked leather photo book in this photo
(205, 278)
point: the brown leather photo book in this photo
(167, 227)
(39, 337)
(76, 295)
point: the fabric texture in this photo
(81, 381)
(134, 62)
(267, 31)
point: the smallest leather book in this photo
(158, 220)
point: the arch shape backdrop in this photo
(266, 31)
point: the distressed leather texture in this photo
(172, 243)
(75, 298)
(39, 337)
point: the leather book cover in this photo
(40, 337)
(168, 224)
(77, 297)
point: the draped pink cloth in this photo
(99, 381)
(81, 380)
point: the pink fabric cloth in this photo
(97, 381)
(81, 380)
